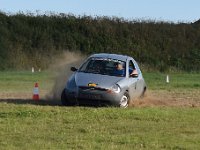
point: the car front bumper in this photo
(100, 97)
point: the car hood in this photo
(102, 81)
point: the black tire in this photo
(124, 102)
(143, 93)
(64, 99)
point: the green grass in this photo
(33, 126)
(157, 81)
(45, 127)
(20, 81)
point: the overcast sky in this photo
(167, 10)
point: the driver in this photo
(120, 70)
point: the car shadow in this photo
(41, 102)
(44, 102)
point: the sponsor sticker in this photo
(92, 84)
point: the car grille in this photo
(92, 96)
(86, 88)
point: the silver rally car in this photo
(104, 79)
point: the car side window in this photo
(137, 68)
(133, 71)
(131, 65)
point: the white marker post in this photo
(167, 79)
(39, 70)
(33, 70)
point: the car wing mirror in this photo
(74, 69)
(133, 75)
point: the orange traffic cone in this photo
(36, 92)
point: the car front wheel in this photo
(65, 101)
(124, 101)
(63, 98)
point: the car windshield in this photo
(104, 66)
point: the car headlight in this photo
(115, 89)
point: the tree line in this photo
(33, 40)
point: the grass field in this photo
(39, 125)
(15, 81)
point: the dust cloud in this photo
(61, 69)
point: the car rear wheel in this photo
(143, 92)
(124, 101)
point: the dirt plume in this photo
(148, 101)
(61, 68)
(166, 99)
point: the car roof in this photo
(111, 56)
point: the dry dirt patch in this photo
(169, 98)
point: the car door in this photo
(140, 80)
(132, 81)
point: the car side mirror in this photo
(133, 75)
(73, 69)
